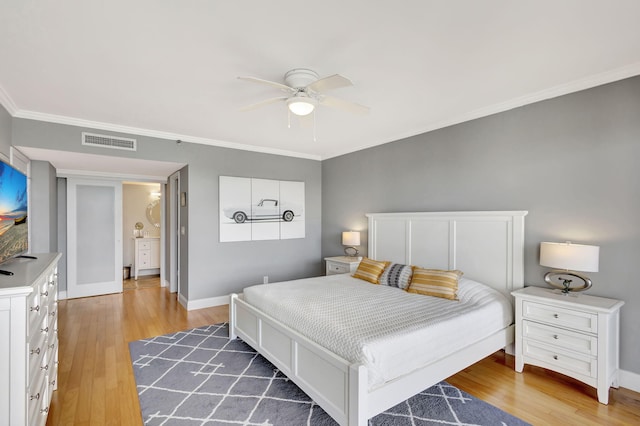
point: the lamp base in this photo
(351, 251)
(560, 279)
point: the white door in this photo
(94, 237)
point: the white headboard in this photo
(487, 246)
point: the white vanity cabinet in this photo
(147, 254)
(28, 339)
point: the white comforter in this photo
(388, 330)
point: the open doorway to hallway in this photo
(142, 207)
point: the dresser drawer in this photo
(33, 309)
(53, 316)
(36, 350)
(38, 402)
(579, 342)
(144, 257)
(560, 360)
(144, 245)
(556, 316)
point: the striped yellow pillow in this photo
(435, 282)
(370, 270)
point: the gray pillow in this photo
(396, 275)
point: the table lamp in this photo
(567, 258)
(351, 239)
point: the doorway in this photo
(142, 231)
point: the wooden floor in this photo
(96, 383)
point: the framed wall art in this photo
(260, 209)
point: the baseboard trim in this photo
(629, 380)
(183, 301)
(190, 305)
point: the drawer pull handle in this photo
(53, 313)
(51, 346)
(36, 396)
(35, 351)
(555, 357)
(555, 336)
(35, 308)
(53, 382)
(44, 410)
(45, 294)
(46, 367)
(45, 330)
(556, 316)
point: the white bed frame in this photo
(487, 246)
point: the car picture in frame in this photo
(260, 209)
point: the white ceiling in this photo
(168, 68)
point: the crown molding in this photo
(588, 82)
(7, 102)
(78, 122)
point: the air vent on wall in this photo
(106, 141)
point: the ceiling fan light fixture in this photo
(301, 105)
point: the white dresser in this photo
(28, 339)
(576, 335)
(147, 254)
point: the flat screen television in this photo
(14, 235)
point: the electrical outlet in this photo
(265, 279)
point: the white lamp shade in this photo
(351, 238)
(572, 257)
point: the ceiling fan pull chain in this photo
(314, 126)
(288, 118)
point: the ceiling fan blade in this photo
(268, 83)
(335, 81)
(353, 107)
(263, 103)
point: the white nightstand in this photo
(341, 265)
(576, 335)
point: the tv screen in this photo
(14, 238)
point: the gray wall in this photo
(43, 210)
(214, 268)
(62, 233)
(572, 162)
(5, 131)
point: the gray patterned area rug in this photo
(199, 377)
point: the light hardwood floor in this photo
(96, 384)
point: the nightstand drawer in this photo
(341, 265)
(338, 268)
(553, 315)
(558, 337)
(559, 360)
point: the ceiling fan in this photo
(305, 90)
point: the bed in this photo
(487, 246)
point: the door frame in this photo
(174, 233)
